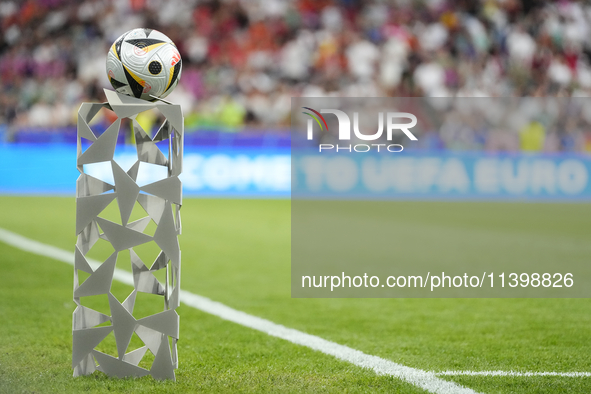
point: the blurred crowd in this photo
(243, 60)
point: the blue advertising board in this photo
(50, 169)
(448, 175)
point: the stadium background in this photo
(242, 62)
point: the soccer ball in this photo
(144, 63)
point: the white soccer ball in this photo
(144, 63)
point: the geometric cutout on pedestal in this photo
(147, 151)
(127, 192)
(163, 132)
(177, 217)
(132, 172)
(129, 302)
(99, 282)
(168, 189)
(162, 367)
(143, 278)
(84, 130)
(140, 224)
(135, 356)
(154, 206)
(150, 337)
(85, 367)
(173, 301)
(88, 237)
(80, 262)
(123, 325)
(88, 208)
(89, 110)
(175, 355)
(146, 282)
(166, 322)
(87, 185)
(166, 237)
(103, 148)
(160, 262)
(173, 114)
(115, 367)
(177, 154)
(122, 237)
(84, 317)
(85, 340)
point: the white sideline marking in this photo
(426, 380)
(513, 373)
(423, 379)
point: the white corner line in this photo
(427, 380)
(513, 373)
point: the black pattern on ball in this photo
(116, 84)
(154, 67)
(175, 74)
(135, 86)
(144, 42)
(118, 47)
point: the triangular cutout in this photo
(173, 114)
(166, 236)
(122, 291)
(163, 132)
(129, 302)
(160, 262)
(135, 356)
(166, 322)
(132, 172)
(80, 262)
(140, 224)
(147, 151)
(84, 130)
(119, 368)
(79, 277)
(162, 367)
(122, 237)
(88, 208)
(150, 337)
(99, 303)
(85, 367)
(169, 189)
(84, 317)
(103, 148)
(127, 192)
(174, 298)
(87, 185)
(135, 343)
(84, 341)
(123, 325)
(100, 281)
(177, 154)
(154, 206)
(88, 237)
(89, 110)
(144, 280)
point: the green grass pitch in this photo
(238, 252)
